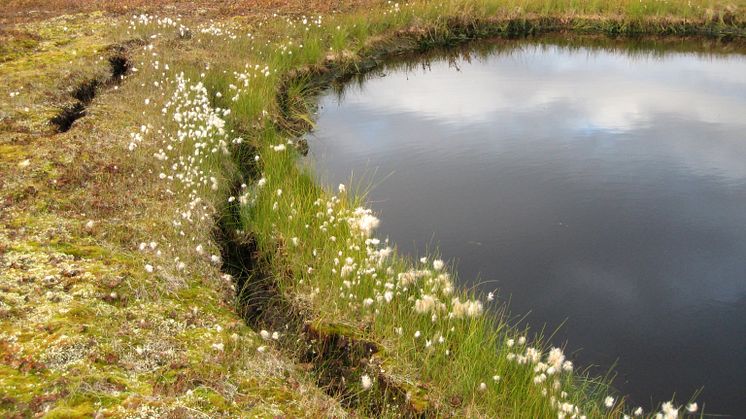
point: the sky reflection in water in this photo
(586, 185)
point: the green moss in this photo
(17, 384)
(15, 47)
(210, 399)
(12, 153)
(79, 251)
(28, 221)
(275, 392)
(78, 314)
(205, 296)
(80, 35)
(85, 409)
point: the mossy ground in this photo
(84, 331)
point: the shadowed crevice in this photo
(337, 354)
(64, 120)
(86, 91)
(120, 66)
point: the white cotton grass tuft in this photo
(366, 382)
(363, 221)
(468, 308)
(669, 411)
(692, 407)
(427, 304)
(388, 296)
(556, 358)
(609, 402)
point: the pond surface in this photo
(600, 190)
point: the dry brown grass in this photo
(15, 11)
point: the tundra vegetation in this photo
(162, 252)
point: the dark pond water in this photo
(602, 188)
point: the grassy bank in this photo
(203, 131)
